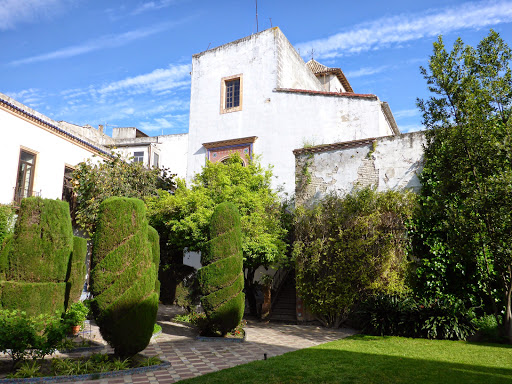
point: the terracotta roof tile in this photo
(318, 68)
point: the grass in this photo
(370, 359)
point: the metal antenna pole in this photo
(257, 27)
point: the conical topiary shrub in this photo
(221, 278)
(123, 276)
(42, 265)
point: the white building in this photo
(252, 96)
(257, 95)
(38, 153)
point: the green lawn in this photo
(379, 360)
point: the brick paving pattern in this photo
(190, 357)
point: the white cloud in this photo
(109, 41)
(174, 76)
(392, 31)
(13, 12)
(410, 128)
(153, 6)
(406, 113)
(366, 71)
(166, 122)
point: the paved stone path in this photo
(190, 357)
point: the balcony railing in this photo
(20, 194)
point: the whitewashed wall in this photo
(53, 154)
(173, 153)
(282, 121)
(392, 162)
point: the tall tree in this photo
(464, 231)
(186, 214)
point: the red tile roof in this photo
(319, 69)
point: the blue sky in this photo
(127, 63)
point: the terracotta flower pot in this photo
(75, 329)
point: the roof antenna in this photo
(209, 46)
(312, 54)
(257, 27)
(270, 22)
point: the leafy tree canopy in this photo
(94, 182)
(186, 214)
(464, 228)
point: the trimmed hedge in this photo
(124, 275)
(221, 278)
(42, 265)
(154, 239)
(77, 269)
(43, 241)
(34, 298)
(5, 249)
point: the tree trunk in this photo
(508, 310)
(250, 292)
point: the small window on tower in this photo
(231, 96)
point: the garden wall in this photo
(391, 162)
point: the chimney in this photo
(100, 128)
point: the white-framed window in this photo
(156, 160)
(25, 177)
(138, 157)
(231, 94)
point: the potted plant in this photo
(75, 317)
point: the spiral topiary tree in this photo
(42, 265)
(221, 278)
(124, 275)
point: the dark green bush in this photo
(221, 278)
(123, 276)
(391, 315)
(42, 266)
(489, 329)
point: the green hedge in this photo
(124, 275)
(42, 265)
(221, 279)
(154, 239)
(33, 298)
(43, 241)
(77, 272)
(5, 249)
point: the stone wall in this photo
(391, 162)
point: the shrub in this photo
(391, 315)
(221, 279)
(23, 336)
(489, 329)
(188, 292)
(42, 264)
(6, 222)
(348, 247)
(123, 276)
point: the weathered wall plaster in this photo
(391, 162)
